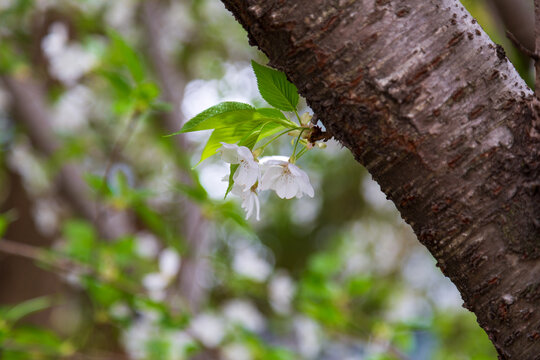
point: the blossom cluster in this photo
(269, 173)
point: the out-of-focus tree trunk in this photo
(436, 112)
(20, 278)
(32, 112)
(194, 227)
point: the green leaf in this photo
(121, 53)
(234, 167)
(211, 117)
(27, 307)
(81, 240)
(5, 219)
(275, 88)
(119, 83)
(233, 114)
(245, 134)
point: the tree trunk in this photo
(438, 115)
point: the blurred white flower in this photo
(248, 263)
(308, 335)
(245, 314)
(22, 160)
(46, 216)
(248, 171)
(74, 278)
(408, 306)
(120, 14)
(156, 283)
(146, 245)
(286, 179)
(55, 41)
(72, 110)
(169, 262)
(67, 62)
(281, 291)
(236, 352)
(250, 200)
(208, 329)
(137, 337)
(119, 310)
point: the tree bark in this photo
(435, 111)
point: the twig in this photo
(57, 261)
(42, 352)
(521, 47)
(20, 249)
(516, 16)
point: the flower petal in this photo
(302, 179)
(286, 186)
(229, 153)
(270, 176)
(245, 154)
(247, 173)
(257, 208)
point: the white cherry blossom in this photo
(244, 313)
(208, 329)
(250, 200)
(249, 263)
(286, 179)
(248, 171)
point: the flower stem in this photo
(293, 157)
(302, 152)
(298, 117)
(274, 138)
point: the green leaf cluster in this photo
(243, 124)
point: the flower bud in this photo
(294, 133)
(257, 152)
(305, 118)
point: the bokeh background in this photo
(114, 246)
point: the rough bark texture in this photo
(438, 115)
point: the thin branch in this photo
(44, 353)
(58, 262)
(22, 250)
(521, 47)
(516, 16)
